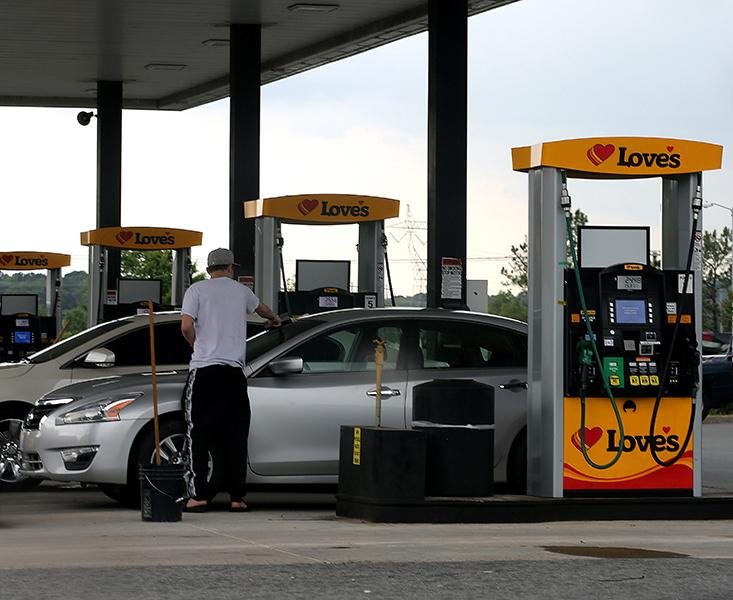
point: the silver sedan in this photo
(305, 380)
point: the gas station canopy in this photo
(175, 55)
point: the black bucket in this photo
(162, 492)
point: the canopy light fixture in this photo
(213, 42)
(313, 8)
(164, 67)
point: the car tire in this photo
(127, 495)
(171, 438)
(517, 465)
(11, 419)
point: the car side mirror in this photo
(287, 366)
(100, 358)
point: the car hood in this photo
(8, 370)
(104, 386)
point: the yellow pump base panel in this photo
(636, 470)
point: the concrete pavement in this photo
(59, 542)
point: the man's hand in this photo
(266, 313)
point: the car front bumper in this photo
(89, 452)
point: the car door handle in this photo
(386, 392)
(514, 385)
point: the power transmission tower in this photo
(410, 228)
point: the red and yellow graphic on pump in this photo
(620, 157)
(636, 469)
(323, 209)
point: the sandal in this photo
(198, 508)
(240, 508)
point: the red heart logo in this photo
(598, 153)
(123, 236)
(670, 148)
(6, 258)
(666, 429)
(306, 206)
(361, 202)
(591, 437)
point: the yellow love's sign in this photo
(141, 238)
(30, 261)
(323, 209)
(622, 157)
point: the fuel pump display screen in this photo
(22, 337)
(630, 312)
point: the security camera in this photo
(83, 118)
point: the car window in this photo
(171, 348)
(75, 341)
(133, 348)
(350, 349)
(456, 345)
(270, 339)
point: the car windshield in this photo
(267, 340)
(64, 346)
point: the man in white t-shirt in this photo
(216, 405)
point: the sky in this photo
(539, 70)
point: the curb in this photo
(719, 419)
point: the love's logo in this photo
(123, 236)
(307, 206)
(5, 259)
(599, 153)
(591, 437)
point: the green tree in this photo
(716, 300)
(507, 304)
(75, 320)
(516, 275)
(156, 264)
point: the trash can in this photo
(380, 463)
(457, 416)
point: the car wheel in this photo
(127, 495)
(517, 465)
(172, 436)
(11, 477)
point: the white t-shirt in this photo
(219, 309)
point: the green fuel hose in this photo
(594, 346)
(665, 373)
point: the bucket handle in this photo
(167, 495)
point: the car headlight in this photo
(106, 409)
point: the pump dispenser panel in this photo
(632, 310)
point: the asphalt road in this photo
(717, 456)
(75, 543)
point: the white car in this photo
(113, 348)
(116, 347)
(305, 379)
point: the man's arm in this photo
(266, 313)
(187, 329)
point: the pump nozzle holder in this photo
(565, 200)
(697, 199)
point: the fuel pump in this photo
(369, 212)
(614, 403)
(23, 330)
(126, 299)
(630, 339)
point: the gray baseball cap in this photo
(221, 256)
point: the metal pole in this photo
(730, 343)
